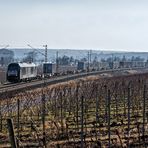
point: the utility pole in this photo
(90, 55)
(45, 53)
(88, 61)
(44, 103)
(112, 62)
(57, 61)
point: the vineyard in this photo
(91, 112)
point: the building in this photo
(6, 57)
(2, 75)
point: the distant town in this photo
(70, 61)
(67, 56)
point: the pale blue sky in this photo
(77, 24)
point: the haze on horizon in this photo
(77, 24)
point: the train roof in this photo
(25, 64)
(48, 63)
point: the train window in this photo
(31, 70)
(24, 70)
(35, 69)
(12, 67)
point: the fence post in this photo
(11, 133)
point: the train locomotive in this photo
(18, 72)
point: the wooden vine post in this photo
(11, 133)
(18, 121)
(129, 105)
(82, 122)
(61, 111)
(77, 108)
(1, 119)
(97, 106)
(106, 102)
(143, 128)
(109, 134)
(43, 119)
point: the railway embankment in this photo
(14, 88)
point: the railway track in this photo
(7, 85)
(15, 87)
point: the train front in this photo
(13, 72)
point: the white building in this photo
(6, 57)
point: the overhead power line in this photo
(44, 54)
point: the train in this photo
(17, 72)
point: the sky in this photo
(75, 24)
